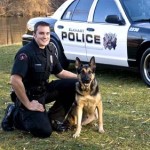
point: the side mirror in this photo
(115, 19)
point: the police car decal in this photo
(133, 29)
(110, 41)
(116, 32)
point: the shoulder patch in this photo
(23, 56)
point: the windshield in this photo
(138, 10)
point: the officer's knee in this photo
(41, 132)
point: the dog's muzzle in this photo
(86, 80)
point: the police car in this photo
(116, 32)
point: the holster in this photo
(13, 96)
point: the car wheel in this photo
(60, 54)
(145, 67)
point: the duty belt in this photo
(36, 92)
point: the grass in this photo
(126, 101)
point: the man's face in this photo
(42, 36)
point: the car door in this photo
(71, 29)
(108, 40)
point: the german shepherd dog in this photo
(88, 105)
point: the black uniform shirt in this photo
(34, 64)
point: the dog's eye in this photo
(82, 71)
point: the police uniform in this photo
(35, 65)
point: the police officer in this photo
(32, 90)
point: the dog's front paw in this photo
(77, 134)
(101, 130)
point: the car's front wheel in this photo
(60, 54)
(145, 67)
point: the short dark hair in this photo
(40, 23)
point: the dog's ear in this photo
(78, 63)
(92, 63)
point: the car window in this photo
(139, 10)
(69, 11)
(103, 9)
(82, 10)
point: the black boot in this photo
(7, 122)
(59, 126)
(56, 116)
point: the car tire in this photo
(145, 67)
(60, 53)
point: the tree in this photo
(28, 7)
(5, 7)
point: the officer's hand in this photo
(36, 106)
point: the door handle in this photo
(90, 29)
(60, 26)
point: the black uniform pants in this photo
(38, 123)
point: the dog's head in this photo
(85, 72)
